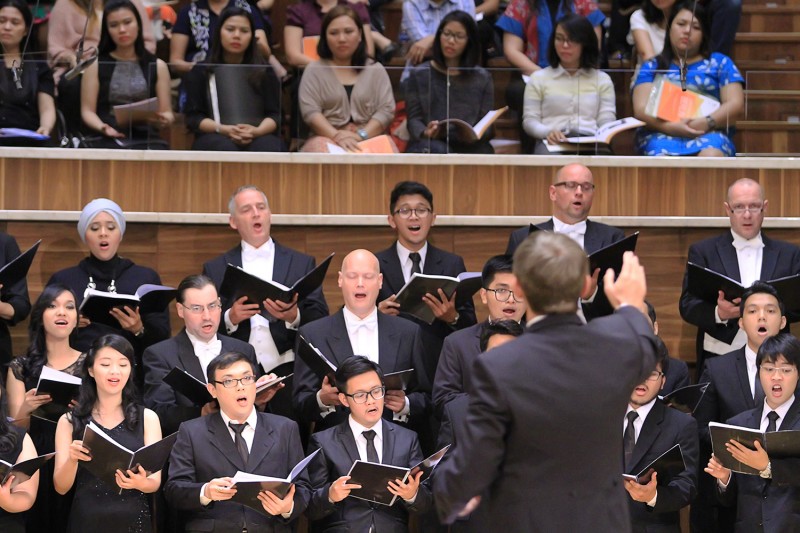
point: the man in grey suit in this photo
(542, 440)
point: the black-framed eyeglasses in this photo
(361, 397)
(197, 309)
(420, 212)
(502, 295)
(230, 383)
(655, 375)
(585, 186)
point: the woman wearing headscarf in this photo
(101, 227)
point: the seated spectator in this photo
(487, 12)
(452, 85)
(304, 19)
(66, 28)
(247, 80)
(26, 94)
(527, 27)
(124, 73)
(421, 19)
(712, 74)
(570, 97)
(344, 98)
(648, 29)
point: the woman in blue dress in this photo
(711, 74)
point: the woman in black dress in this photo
(108, 399)
(14, 301)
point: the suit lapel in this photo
(348, 442)
(744, 379)
(547, 225)
(263, 442)
(388, 443)
(769, 259)
(648, 435)
(187, 357)
(591, 239)
(234, 256)
(338, 340)
(280, 266)
(792, 416)
(221, 439)
(388, 345)
(433, 261)
(392, 271)
(728, 257)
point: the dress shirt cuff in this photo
(591, 298)
(724, 486)
(230, 327)
(652, 503)
(324, 410)
(203, 500)
(404, 413)
(717, 319)
(295, 323)
(287, 516)
(413, 498)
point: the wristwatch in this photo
(712, 124)
(362, 133)
(139, 334)
(767, 472)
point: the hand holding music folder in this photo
(668, 466)
(248, 486)
(188, 385)
(778, 444)
(149, 298)
(62, 387)
(17, 269)
(705, 284)
(398, 380)
(410, 296)
(374, 479)
(686, 399)
(428, 464)
(24, 470)
(108, 455)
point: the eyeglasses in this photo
(564, 41)
(454, 36)
(502, 295)
(742, 209)
(230, 383)
(361, 397)
(585, 186)
(420, 212)
(655, 375)
(782, 370)
(196, 309)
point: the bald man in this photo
(359, 329)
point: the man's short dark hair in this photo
(662, 354)
(408, 188)
(784, 344)
(195, 281)
(227, 360)
(353, 366)
(499, 327)
(761, 287)
(498, 264)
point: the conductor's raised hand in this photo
(630, 287)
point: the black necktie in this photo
(772, 425)
(241, 445)
(758, 397)
(629, 439)
(416, 259)
(372, 453)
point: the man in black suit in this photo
(363, 436)
(745, 254)
(191, 350)
(650, 429)
(523, 441)
(733, 387)
(411, 215)
(260, 255)
(572, 194)
(211, 449)
(359, 329)
(454, 373)
(770, 501)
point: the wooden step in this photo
(769, 75)
(767, 137)
(771, 2)
(770, 18)
(783, 106)
(766, 46)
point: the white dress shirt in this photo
(361, 441)
(752, 369)
(782, 410)
(576, 232)
(205, 351)
(405, 261)
(642, 411)
(261, 262)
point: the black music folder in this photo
(410, 296)
(398, 380)
(62, 387)
(611, 255)
(686, 399)
(706, 284)
(188, 385)
(778, 444)
(23, 470)
(428, 464)
(316, 361)
(17, 269)
(149, 298)
(374, 479)
(668, 465)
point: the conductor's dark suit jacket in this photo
(543, 427)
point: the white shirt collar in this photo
(782, 410)
(740, 242)
(642, 411)
(562, 227)
(403, 253)
(197, 343)
(358, 429)
(350, 318)
(251, 420)
(749, 356)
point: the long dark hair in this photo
(472, 52)
(107, 44)
(667, 55)
(652, 14)
(8, 437)
(580, 31)
(359, 58)
(27, 16)
(251, 54)
(87, 398)
(36, 356)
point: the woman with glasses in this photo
(345, 98)
(705, 73)
(108, 401)
(571, 97)
(451, 85)
(101, 226)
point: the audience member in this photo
(15, 446)
(570, 97)
(124, 73)
(108, 401)
(724, 15)
(649, 29)
(421, 18)
(344, 97)
(451, 86)
(26, 94)
(707, 73)
(14, 301)
(243, 114)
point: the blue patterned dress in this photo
(706, 76)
